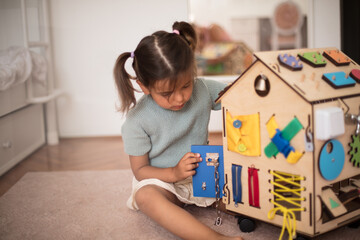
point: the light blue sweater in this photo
(167, 135)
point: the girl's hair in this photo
(160, 56)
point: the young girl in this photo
(160, 128)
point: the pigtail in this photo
(123, 83)
(187, 32)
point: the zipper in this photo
(236, 181)
(253, 184)
(252, 187)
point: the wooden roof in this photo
(308, 80)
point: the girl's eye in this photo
(187, 85)
(166, 94)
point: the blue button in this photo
(237, 123)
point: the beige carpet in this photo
(91, 205)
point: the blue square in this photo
(339, 79)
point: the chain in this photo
(217, 195)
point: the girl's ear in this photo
(143, 88)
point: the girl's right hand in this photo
(186, 166)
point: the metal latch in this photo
(212, 159)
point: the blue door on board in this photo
(204, 179)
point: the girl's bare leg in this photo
(164, 208)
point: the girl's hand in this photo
(186, 166)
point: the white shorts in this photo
(183, 190)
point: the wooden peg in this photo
(302, 79)
(313, 76)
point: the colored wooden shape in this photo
(331, 162)
(338, 80)
(289, 61)
(291, 129)
(332, 202)
(315, 59)
(271, 150)
(355, 74)
(337, 57)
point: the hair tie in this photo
(132, 54)
(176, 31)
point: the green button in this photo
(242, 147)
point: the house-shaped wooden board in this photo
(290, 117)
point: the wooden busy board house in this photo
(291, 140)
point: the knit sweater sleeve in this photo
(214, 88)
(136, 141)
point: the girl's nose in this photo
(178, 97)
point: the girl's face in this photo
(169, 97)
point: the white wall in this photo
(10, 24)
(324, 28)
(88, 35)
